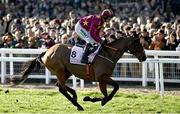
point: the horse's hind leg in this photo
(62, 88)
(73, 101)
(87, 98)
(73, 92)
(70, 90)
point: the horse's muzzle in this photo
(143, 59)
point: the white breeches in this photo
(84, 34)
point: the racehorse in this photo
(57, 60)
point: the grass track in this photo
(50, 101)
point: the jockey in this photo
(88, 29)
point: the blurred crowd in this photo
(43, 23)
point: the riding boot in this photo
(86, 53)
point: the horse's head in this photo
(137, 49)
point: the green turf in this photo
(50, 101)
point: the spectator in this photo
(19, 44)
(127, 29)
(72, 20)
(18, 39)
(37, 27)
(168, 29)
(32, 43)
(2, 27)
(108, 31)
(118, 34)
(178, 34)
(158, 42)
(53, 35)
(29, 32)
(39, 35)
(57, 24)
(75, 40)
(144, 43)
(8, 21)
(7, 41)
(64, 39)
(145, 39)
(17, 24)
(48, 42)
(172, 42)
(58, 17)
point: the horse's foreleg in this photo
(107, 80)
(72, 100)
(103, 89)
(110, 96)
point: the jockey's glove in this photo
(103, 42)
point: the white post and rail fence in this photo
(153, 69)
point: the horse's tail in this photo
(34, 64)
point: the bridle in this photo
(130, 43)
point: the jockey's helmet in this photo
(107, 14)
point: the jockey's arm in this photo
(95, 31)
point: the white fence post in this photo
(81, 83)
(161, 79)
(157, 74)
(48, 74)
(74, 82)
(11, 65)
(3, 69)
(94, 83)
(144, 74)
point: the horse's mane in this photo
(116, 40)
(122, 38)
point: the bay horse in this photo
(57, 60)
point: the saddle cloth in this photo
(77, 53)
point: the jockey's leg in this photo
(86, 53)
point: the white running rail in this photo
(158, 58)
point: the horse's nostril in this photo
(144, 58)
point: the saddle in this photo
(77, 53)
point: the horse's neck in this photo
(121, 45)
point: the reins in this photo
(114, 49)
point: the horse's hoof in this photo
(87, 98)
(104, 101)
(80, 109)
(96, 99)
